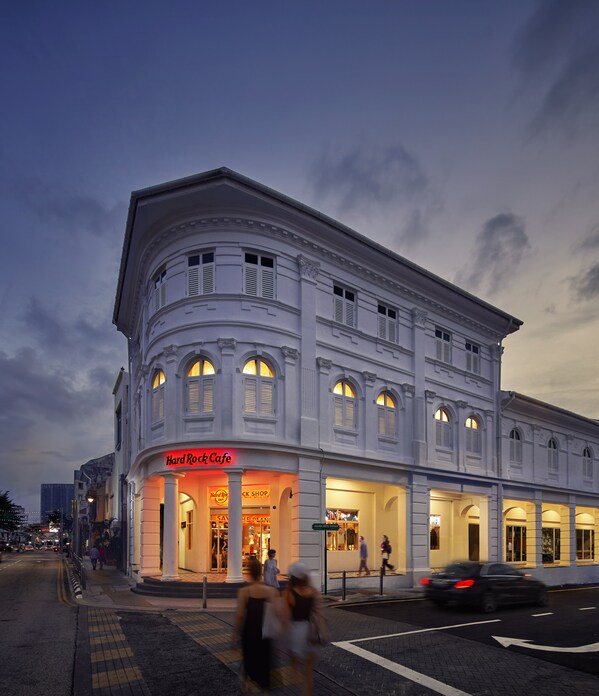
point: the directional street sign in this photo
(323, 527)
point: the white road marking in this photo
(586, 608)
(423, 630)
(547, 613)
(405, 672)
(525, 643)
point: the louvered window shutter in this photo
(193, 278)
(382, 326)
(390, 430)
(208, 278)
(207, 394)
(349, 314)
(381, 420)
(193, 396)
(250, 395)
(339, 310)
(338, 411)
(349, 413)
(392, 330)
(266, 394)
(268, 283)
(251, 280)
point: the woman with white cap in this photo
(301, 599)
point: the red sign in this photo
(200, 457)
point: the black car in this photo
(483, 585)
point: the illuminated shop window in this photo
(585, 544)
(200, 387)
(435, 532)
(387, 414)
(347, 537)
(258, 387)
(158, 395)
(515, 543)
(515, 447)
(551, 544)
(259, 276)
(473, 436)
(200, 274)
(345, 405)
(443, 429)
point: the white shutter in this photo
(266, 394)
(392, 330)
(251, 280)
(193, 396)
(390, 425)
(349, 413)
(208, 278)
(338, 411)
(439, 349)
(349, 313)
(338, 309)
(250, 395)
(382, 326)
(381, 419)
(193, 281)
(268, 283)
(207, 394)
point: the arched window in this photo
(474, 443)
(387, 414)
(258, 388)
(515, 447)
(443, 428)
(199, 387)
(345, 404)
(552, 456)
(158, 382)
(587, 463)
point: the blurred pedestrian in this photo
(385, 553)
(102, 555)
(270, 570)
(256, 650)
(93, 556)
(300, 600)
(363, 557)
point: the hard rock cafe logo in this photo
(220, 496)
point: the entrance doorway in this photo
(473, 542)
(255, 537)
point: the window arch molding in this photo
(347, 394)
(260, 373)
(475, 433)
(444, 418)
(198, 372)
(389, 404)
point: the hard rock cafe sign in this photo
(250, 495)
(200, 457)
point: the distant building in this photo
(55, 497)
(286, 371)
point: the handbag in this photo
(271, 623)
(319, 632)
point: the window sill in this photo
(198, 416)
(388, 439)
(264, 418)
(346, 431)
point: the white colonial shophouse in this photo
(286, 371)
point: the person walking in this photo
(363, 557)
(93, 556)
(385, 553)
(270, 569)
(102, 555)
(256, 650)
(300, 600)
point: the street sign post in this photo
(325, 527)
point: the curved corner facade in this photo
(286, 372)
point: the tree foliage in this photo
(10, 516)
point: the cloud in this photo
(586, 287)
(373, 182)
(557, 50)
(591, 242)
(498, 251)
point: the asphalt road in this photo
(37, 626)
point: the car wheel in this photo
(488, 603)
(543, 599)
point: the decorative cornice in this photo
(226, 344)
(462, 404)
(429, 395)
(419, 317)
(290, 354)
(307, 267)
(324, 365)
(369, 378)
(408, 389)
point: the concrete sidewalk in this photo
(111, 587)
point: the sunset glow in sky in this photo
(463, 135)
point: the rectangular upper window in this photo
(259, 276)
(200, 274)
(473, 357)
(160, 289)
(387, 323)
(344, 306)
(443, 345)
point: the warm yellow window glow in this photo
(159, 379)
(385, 399)
(472, 423)
(201, 367)
(442, 415)
(344, 389)
(257, 366)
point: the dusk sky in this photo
(461, 134)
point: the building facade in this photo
(55, 497)
(285, 371)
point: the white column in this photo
(170, 551)
(234, 546)
(150, 528)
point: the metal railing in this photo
(79, 569)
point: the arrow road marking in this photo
(523, 643)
